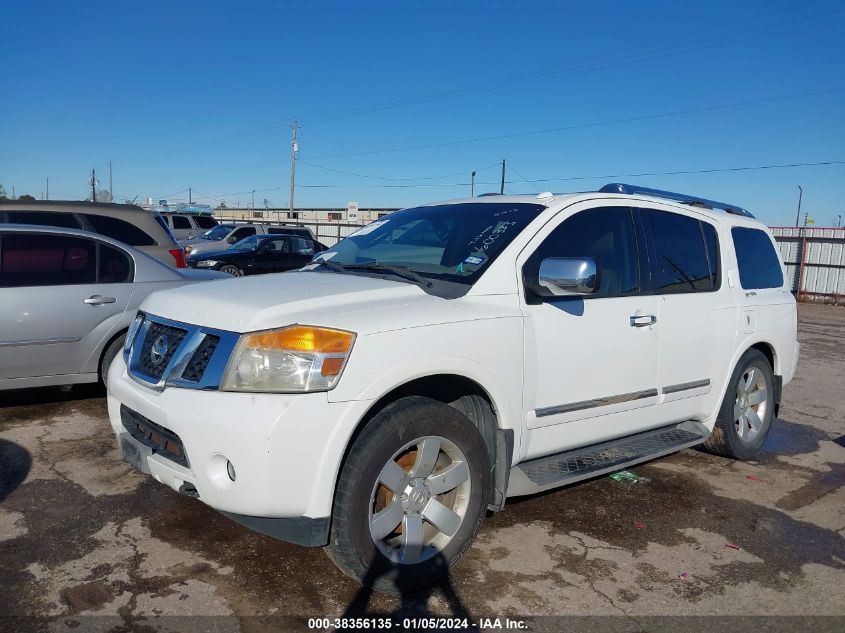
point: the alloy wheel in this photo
(419, 500)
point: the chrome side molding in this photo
(683, 386)
(598, 402)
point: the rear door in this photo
(181, 226)
(696, 314)
(58, 294)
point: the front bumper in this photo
(286, 450)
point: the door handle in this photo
(98, 300)
(643, 320)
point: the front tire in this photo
(233, 270)
(410, 497)
(747, 411)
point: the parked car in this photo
(224, 235)
(259, 254)
(440, 360)
(127, 223)
(186, 226)
(67, 298)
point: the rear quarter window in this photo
(120, 230)
(205, 222)
(43, 218)
(758, 261)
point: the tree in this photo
(27, 197)
(3, 197)
(103, 195)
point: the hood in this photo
(194, 274)
(216, 252)
(244, 304)
(361, 304)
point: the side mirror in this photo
(567, 276)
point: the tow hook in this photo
(189, 490)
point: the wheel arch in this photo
(764, 347)
(120, 332)
(470, 398)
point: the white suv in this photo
(444, 358)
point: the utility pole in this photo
(294, 148)
(48, 188)
(93, 186)
(798, 215)
(502, 187)
(253, 199)
(111, 191)
(189, 195)
(472, 186)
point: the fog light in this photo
(230, 469)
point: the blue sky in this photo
(200, 94)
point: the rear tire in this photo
(747, 411)
(231, 269)
(112, 350)
(437, 470)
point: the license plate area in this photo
(134, 453)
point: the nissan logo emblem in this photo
(159, 350)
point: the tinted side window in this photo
(46, 260)
(119, 230)
(679, 258)
(205, 221)
(114, 267)
(241, 233)
(759, 265)
(43, 218)
(302, 246)
(180, 222)
(605, 235)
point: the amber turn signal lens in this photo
(303, 338)
(332, 366)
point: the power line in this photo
(566, 128)
(536, 180)
(690, 43)
(349, 173)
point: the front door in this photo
(53, 297)
(591, 361)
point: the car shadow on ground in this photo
(414, 601)
(50, 395)
(15, 462)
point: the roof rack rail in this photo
(618, 187)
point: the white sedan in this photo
(67, 298)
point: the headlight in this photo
(207, 263)
(295, 359)
(131, 334)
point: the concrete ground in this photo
(81, 534)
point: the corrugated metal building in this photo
(815, 261)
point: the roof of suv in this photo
(711, 208)
(113, 208)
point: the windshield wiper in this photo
(399, 271)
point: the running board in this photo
(590, 461)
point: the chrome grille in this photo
(199, 361)
(159, 346)
(171, 353)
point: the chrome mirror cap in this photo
(567, 276)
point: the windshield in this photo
(248, 243)
(452, 242)
(218, 232)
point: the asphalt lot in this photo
(82, 534)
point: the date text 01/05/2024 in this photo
(416, 624)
